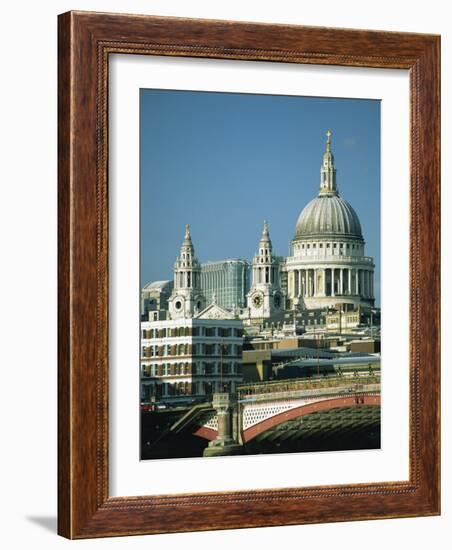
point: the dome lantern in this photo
(328, 171)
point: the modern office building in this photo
(227, 282)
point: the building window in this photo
(209, 349)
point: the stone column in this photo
(314, 275)
(349, 287)
(357, 282)
(224, 444)
(333, 293)
(300, 283)
(341, 281)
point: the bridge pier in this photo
(225, 444)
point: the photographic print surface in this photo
(260, 272)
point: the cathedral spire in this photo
(187, 236)
(328, 185)
(265, 238)
(186, 298)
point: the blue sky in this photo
(224, 162)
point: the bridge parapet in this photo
(298, 389)
(306, 394)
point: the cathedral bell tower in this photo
(186, 300)
(265, 297)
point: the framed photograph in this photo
(248, 275)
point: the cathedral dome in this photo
(328, 216)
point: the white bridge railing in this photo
(315, 392)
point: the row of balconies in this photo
(156, 371)
(179, 332)
(188, 350)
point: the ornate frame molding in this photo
(85, 42)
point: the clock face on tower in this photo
(178, 304)
(257, 300)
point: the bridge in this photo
(231, 421)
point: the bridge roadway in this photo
(261, 407)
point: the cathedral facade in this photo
(327, 267)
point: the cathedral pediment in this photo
(214, 311)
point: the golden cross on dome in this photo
(328, 135)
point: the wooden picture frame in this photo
(86, 40)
